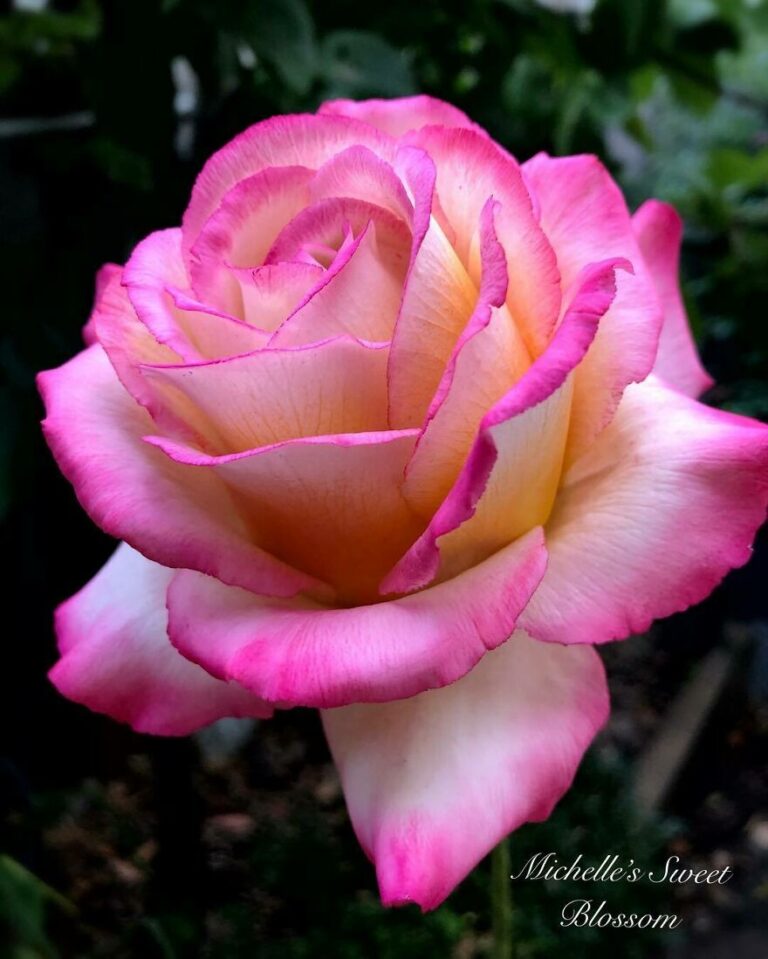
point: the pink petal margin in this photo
(659, 232)
(547, 374)
(648, 522)
(116, 657)
(299, 653)
(434, 782)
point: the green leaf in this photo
(357, 63)
(23, 906)
(283, 34)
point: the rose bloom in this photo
(396, 428)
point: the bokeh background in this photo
(235, 843)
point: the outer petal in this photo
(117, 658)
(651, 518)
(659, 231)
(300, 653)
(433, 783)
(105, 276)
(301, 140)
(177, 516)
(400, 115)
(586, 219)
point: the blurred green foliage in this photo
(109, 109)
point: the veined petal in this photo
(116, 657)
(649, 521)
(329, 505)
(359, 174)
(177, 516)
(335, 386)
(434, 782)
(300, 653)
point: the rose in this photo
(384, 401)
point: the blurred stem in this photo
(501, 902)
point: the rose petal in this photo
(470, 169)
(335, 386)
(401, 114)
(585, 217)
(176, 516)
(105, 277)
(488, 358)
(329, 505)
(302, 654)
(301, 140)
(434, 782)
(513, 467)
(358, 173)
(651, 518)
(241, 230)
(437, 300)
(359, 294)
(116, 657)
(156, 281)
(659, 231)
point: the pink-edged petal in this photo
(262, 398)
(586, 219)
(434, 782)
(299, 140)
(659, 232)
(358, 173)
(300, 653)
(157, 284)
(116, 657)
(327, 224)
(649, 521)
(105, 276)
(470, 169)
(400, 115)
(487, 359)
(177, 516)
(329, 505)
(240, 232)
(129, 344)
(509, 479)
(272, 293)
(437, 300)
(359, 294)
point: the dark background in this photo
(119, 845)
